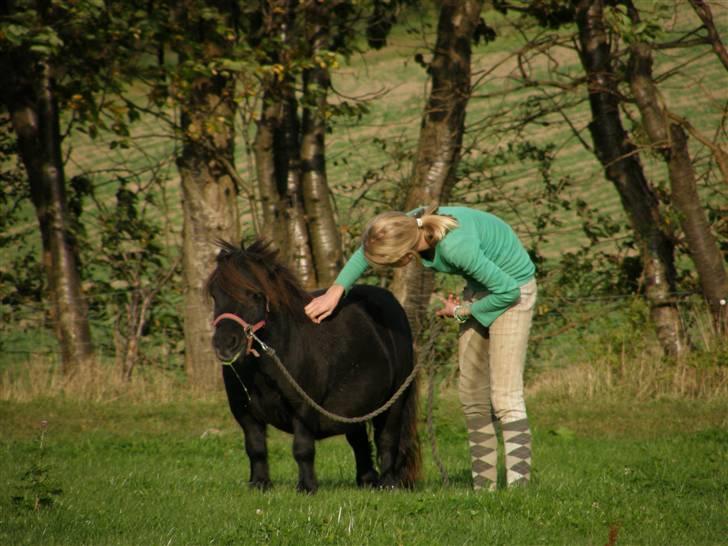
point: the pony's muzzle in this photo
(231, 347)
(228, 345)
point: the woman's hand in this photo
(321, 307)
(449, 305)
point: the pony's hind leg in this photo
(304, 451)
(386, 437)
(366, 474)
(398, 446)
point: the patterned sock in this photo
(483, 452)
(517, 441)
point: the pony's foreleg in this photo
(366, 475)
(253, 430)
(304, 451)
(257, 450)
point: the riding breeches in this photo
(492, 360)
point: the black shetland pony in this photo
(350, 364)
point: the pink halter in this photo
(249, 330)
(247, 327)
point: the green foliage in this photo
(619, 21)
(21, 275)
(129, 274)
(36, 489)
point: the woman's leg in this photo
(508, 346)
(474, 391)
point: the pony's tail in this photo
(410, 455)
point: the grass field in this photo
(605, 473)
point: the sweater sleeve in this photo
(354, 268)
(503, 290)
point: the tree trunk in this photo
(441, 136)
(670, 140)
(299, 246)
(210, 213)
(31, 102)
(277, 150)
(325, 237)
(622, 167)
(270, 187)
(209, 194)
(279, 181)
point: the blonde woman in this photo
(495, 314)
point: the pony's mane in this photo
(257, 269)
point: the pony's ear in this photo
(242, 244)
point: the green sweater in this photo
(483, 249)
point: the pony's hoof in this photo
(260, 485)
(388, 484)
(308, 488)
(368, 479)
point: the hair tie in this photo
(419, 222)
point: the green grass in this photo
(652, 473)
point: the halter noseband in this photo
(248, 329)
(245, 325)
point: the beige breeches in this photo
(492, 360)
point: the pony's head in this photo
(246, 286)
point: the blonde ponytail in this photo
(436, 226)
(392, 236)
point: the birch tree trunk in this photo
(441, 136)
(279, 181)
(299, 245)
(290, 151)
(269, 186)
(622, 167)
(317, 199)
(31, 101)
(670, 140)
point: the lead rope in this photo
(267, 349)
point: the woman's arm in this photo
(503, 290)
(321, 307)
(354, 268)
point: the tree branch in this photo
(721, 157)
(703, 10)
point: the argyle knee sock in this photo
(517, 442)
(483, 452)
